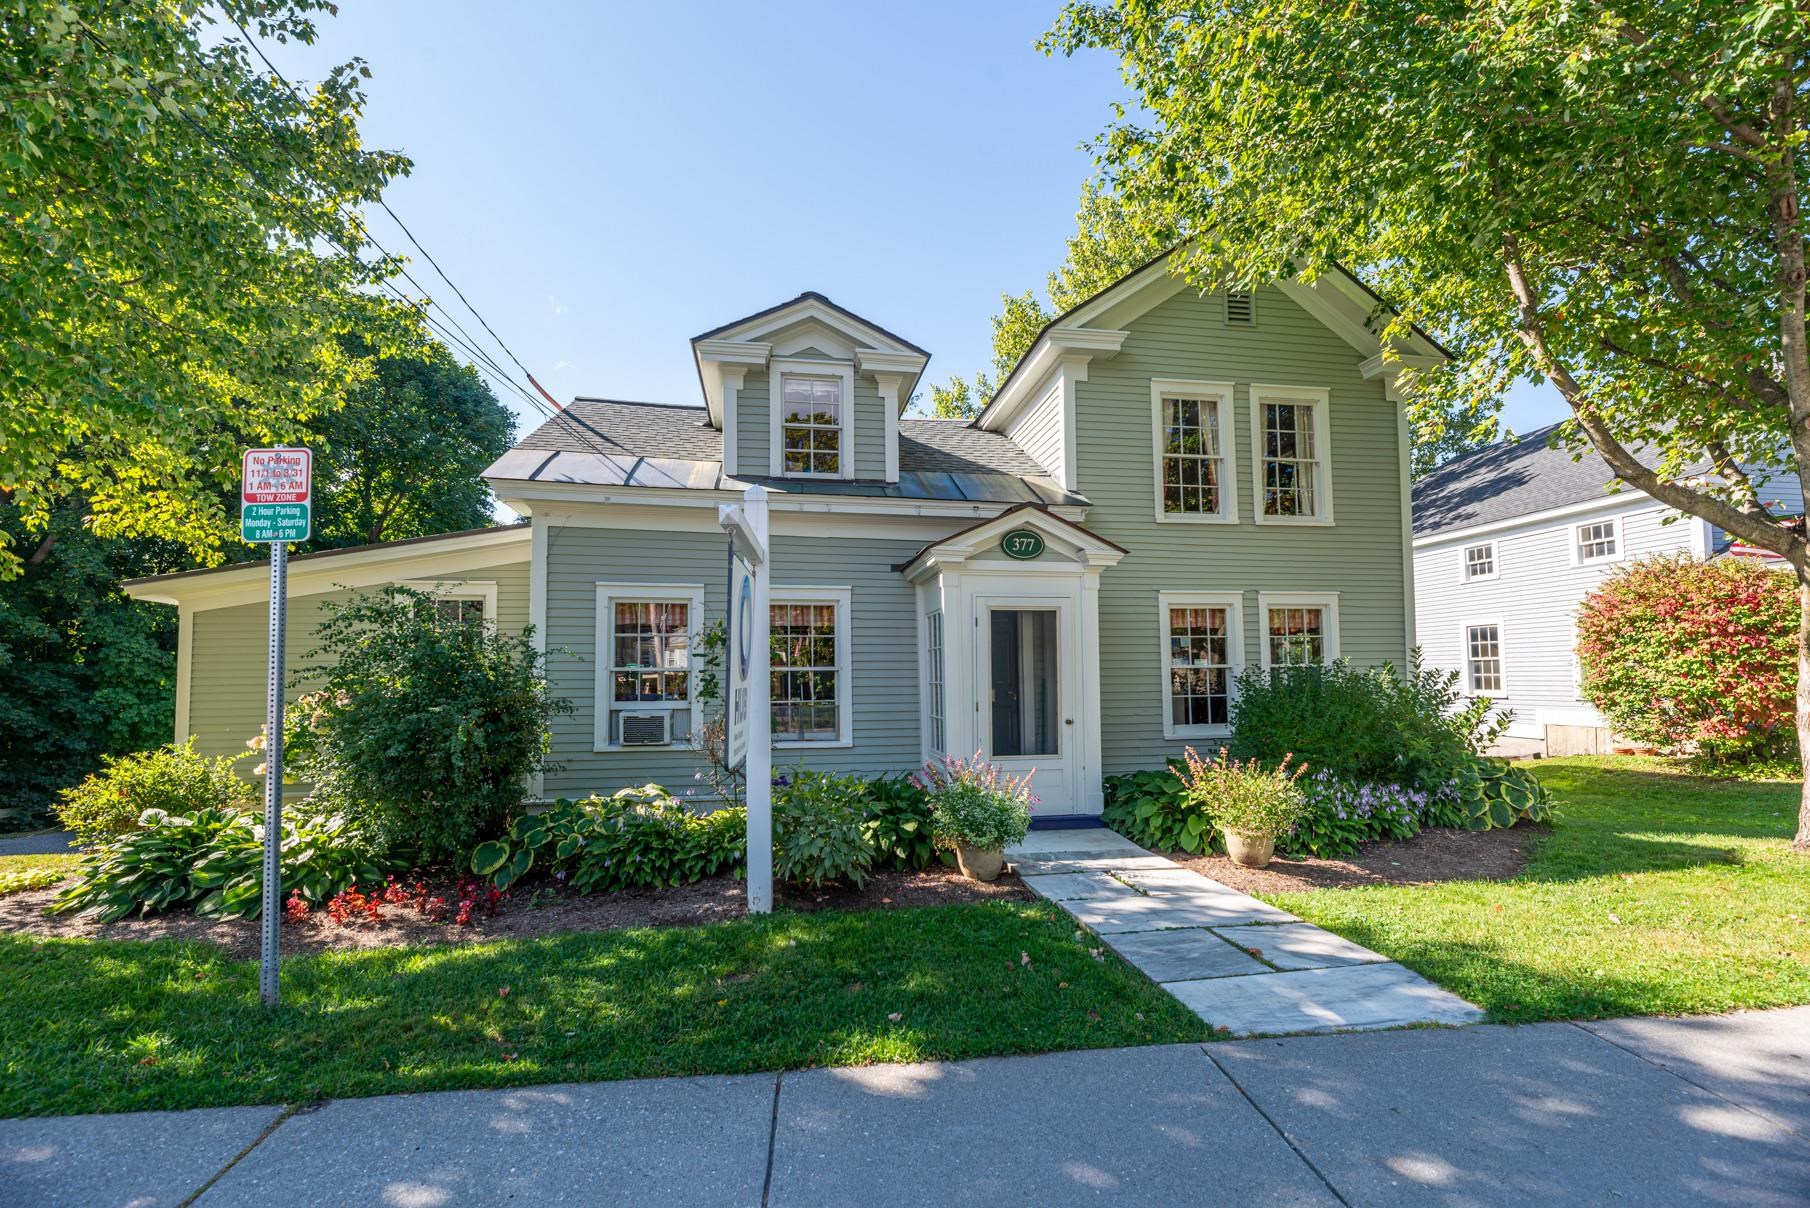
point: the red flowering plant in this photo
(1695, 656)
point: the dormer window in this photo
(811, 426)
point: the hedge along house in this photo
(1170, 487)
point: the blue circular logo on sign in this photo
(744, 625)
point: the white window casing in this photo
(1302, 626)
(1479, 562)
(1595, 542)
(1291, 454)
(663, 696)
(1192, 656)
(484, 590)
(809, 676)
(842, 376)
(1485, 664)
(1193, 451)
(936, 686)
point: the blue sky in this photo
(605, 181)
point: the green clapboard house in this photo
(1169, 488)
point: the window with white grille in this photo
(1296, 636)
(1192, 457)
(1291, 454)
(644, 642)
(1483, 659)
(1200, 666)
(809, 637)
(1597, 541)
(811, 430)
(933, 659)
(1480, 561)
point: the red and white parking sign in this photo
(276, 475)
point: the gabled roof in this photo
(1514, 478)
(608, 442)
(962, 542)
(809, 295)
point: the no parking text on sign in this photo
(276, 495)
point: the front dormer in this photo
(808, 390)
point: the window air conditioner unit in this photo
(646, 729)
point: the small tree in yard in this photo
(1679, 652)
(425, 729)
(1604, 197)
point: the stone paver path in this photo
(1238, 963)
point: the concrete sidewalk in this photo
(1648, 1112)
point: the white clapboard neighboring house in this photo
(1507, 541)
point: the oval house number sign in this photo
(1023, 544)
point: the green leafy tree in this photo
(178, 239)
(1606, 198)
(404, 454)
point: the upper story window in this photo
(1193, 431)
(1292, 449)
(1299, 629)
(1598, 541)
(1480, 561)
(811, 427)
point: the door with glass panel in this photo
(1027, 693)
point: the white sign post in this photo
(748, 722)
(275, 508)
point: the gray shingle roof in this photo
(1508, 480)
(613, 443)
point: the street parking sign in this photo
(276, 496)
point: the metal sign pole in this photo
(272, 915)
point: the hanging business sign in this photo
(749, 743)
(276, 496)
(740, 658)
(1023, 544)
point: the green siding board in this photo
(1359, 556)
(753, 425)
(883, 646)
(870, 430)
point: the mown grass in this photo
(111, 1026)
(19, 873)
(1656, 893)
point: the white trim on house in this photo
(733, 377)
(603, 699)
(843, 372)
(1574, 535)
(459, 589)
(1629, 501)
(1233, 603)
(1469, 668)
(1495, 561)
(1220, 395)
(185, 664)
(842, 598)
(523, 496)
(1320, 399)
(1328, 601)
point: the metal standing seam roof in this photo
(1510, 479)
(609, 442)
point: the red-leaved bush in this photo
(1680, 653)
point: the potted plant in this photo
(976, 811)
(1250, 804)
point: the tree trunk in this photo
(1803, 706)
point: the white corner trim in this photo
(1233, 603)
(1325, 600)
(888, 384)
(843, 599)
(1321, 399)
(1464, 655)
(185, 668)
(1054, 349)
(1405, 470)
(733, 376)
(778, 371)
(1220, 395)
(719, 358)
(691, 594)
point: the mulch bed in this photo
(1429, 857)
(531, 911)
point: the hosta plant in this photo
(820, 829)
(637, 837)
(1155, 810)
(899, 823)
(1493, 794)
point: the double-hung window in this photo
(1292, 449)
(1480, 561)
(935, 706)
(1202, 639)
(809, 636)
(811, 425)
(460, 601)
(1193, 433)
(1299, 629)
(1483, 659)
(645, 637)
(1598, 541)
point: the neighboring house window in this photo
(645, 641)
(1483, 659)
(933, 659)
(459, 600)
(811, 432)
(1202, 637)
(1597, 541)
(456, 611)
(808, 630)
(1193, 472)
(1480, 561)
(1299, 630)
(1289, 426)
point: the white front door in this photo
(1028, 688)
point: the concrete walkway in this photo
(1240, 964)
(1656, 1112)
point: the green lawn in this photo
(1656, 893)
(112, 1026)
(15, 870)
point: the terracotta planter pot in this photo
(1250, 851)
(979, 864)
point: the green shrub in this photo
(173, 778)
(819, 829)
(1154, 809)
(637, 838)
(1492, 794)
(973, 804)
(213, 861)
(899, 823)
(425, 730)
(1244, 795)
